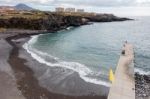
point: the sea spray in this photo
(83, 71)
(142, 72)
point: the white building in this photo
(59, 9)
(80, 10)
(5, 8)
(70, 10)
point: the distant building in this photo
(59, 9)
(70, 10)
(6, 8)
(93, 14)
(80, 10)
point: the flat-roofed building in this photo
(70, 10)
(80, 10)
(59, 9)
(6, 9)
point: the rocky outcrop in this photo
(106, 18)
(54, 21)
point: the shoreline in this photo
(15, 56)
(8, 84)
(53, 62)
(23, 62)
(29, 84)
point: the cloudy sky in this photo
(119, 7)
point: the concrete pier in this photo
(124, 85)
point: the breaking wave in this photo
(140, 71)
(52, 61)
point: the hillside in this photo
(38, 20)
(22, 6)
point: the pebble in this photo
(142, 86)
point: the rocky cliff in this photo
(105, 18)
(53, 21)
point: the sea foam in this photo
(140, 71)
(81, 69)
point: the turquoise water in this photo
(91, 50)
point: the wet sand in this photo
(38, 81)
(8, 86)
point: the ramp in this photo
(123, 86)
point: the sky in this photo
(118, 7)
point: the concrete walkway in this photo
(124, 84)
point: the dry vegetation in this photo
(28, 15)
(2, 29)
(41, 14)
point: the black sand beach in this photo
(33, 80)
(8, 86)
(38, 81)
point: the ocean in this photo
(92, 50)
